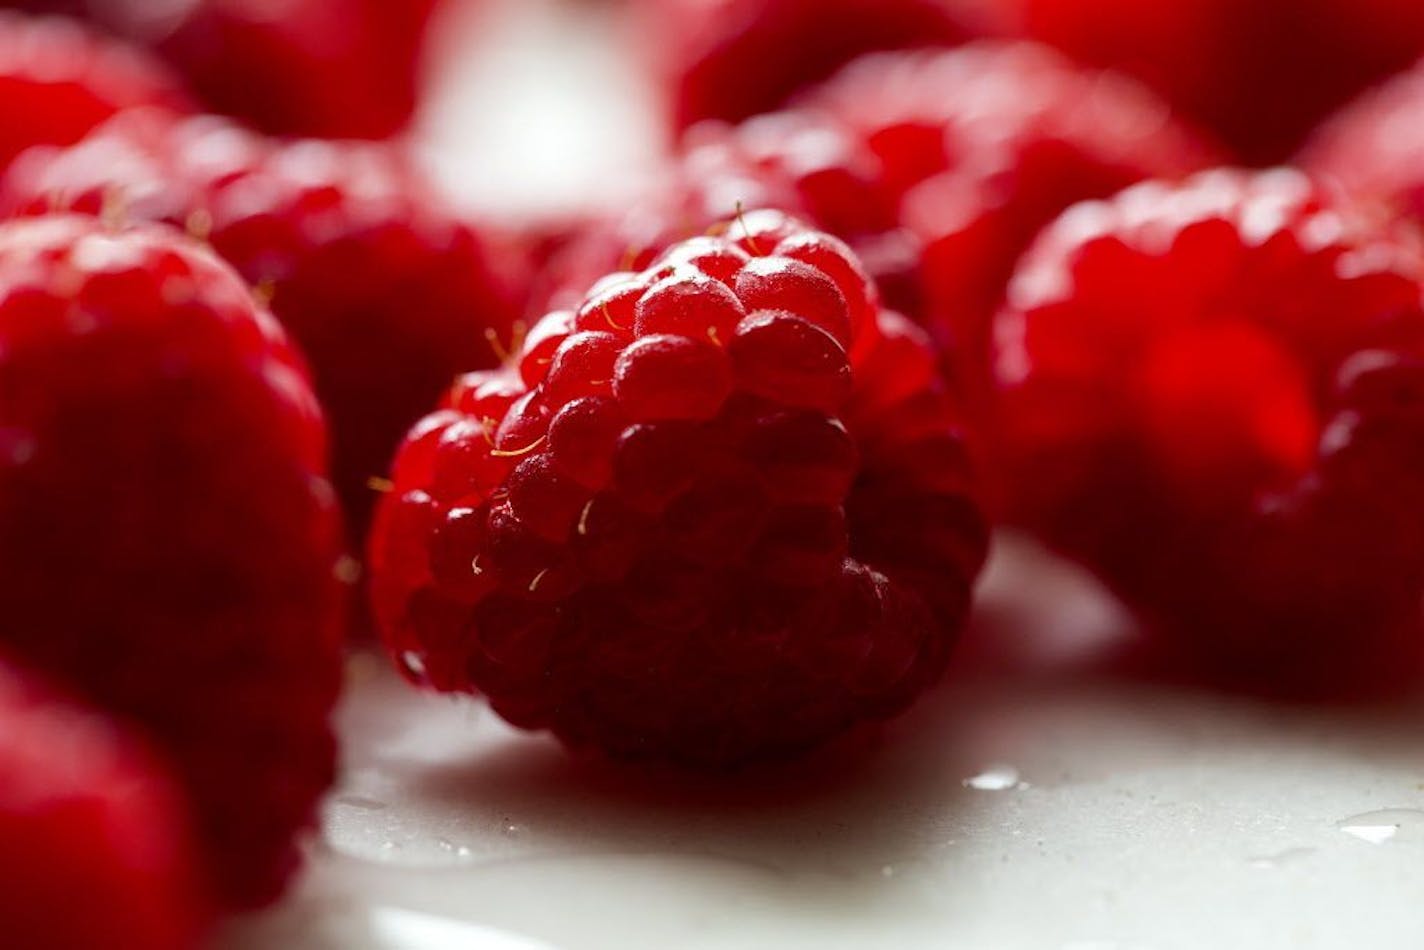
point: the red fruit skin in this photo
(88, 817)
(1211, 395)
(733, 547)
(320, 68)
(731, 59)
(169, 544)
(387, 294)
(1259, 73)
(58, 81)
(1374, 147)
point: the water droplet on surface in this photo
(996, 778)
(1387, 824)
(413, 662)
(1280, 858)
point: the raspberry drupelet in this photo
(93, 843)
(720, 512)
(170, 547)
(388, 294)
(1213, 395)
(58, 81)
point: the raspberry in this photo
(327, 68)
(977, 149)
(734, 59)
(702, 532)
(387, 294)
(1213, 396)
(1374, 148)
(1259, 73)
(168, 542)
(58, 81)
(87, 815)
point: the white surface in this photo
(1032, 804)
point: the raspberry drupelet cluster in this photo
(1213, 395)
(720, 512)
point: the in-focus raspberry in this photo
(709, 516)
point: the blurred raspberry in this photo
(720, 512)
(329, 68)
(1259, 73)
(169, 545)
(977, 149)
(1213, 396)
(731, 59)
(388, 295)
(87, 818)
(58, 81)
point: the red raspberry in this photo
(90, 843)
(1260, 73)
(333, 68)
(730, 59)
(1213, 395)
(1374, 148)
(977, 149)
(687, 525)
(388, 295)
(168, 542)
(58, 81)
